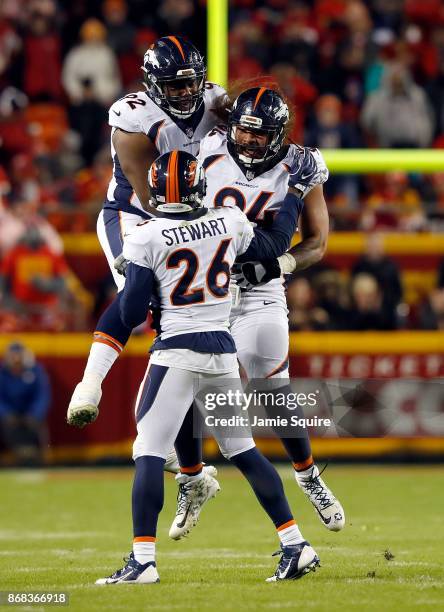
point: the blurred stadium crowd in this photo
(358, 74)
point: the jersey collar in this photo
(252, 173)
(189, 126)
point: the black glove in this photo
(254, 273)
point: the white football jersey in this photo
(258, 197)
(136, 112)
(191, 260)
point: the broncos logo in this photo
(154, 176)
(150, 57)
(191, 175)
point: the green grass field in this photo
(60, 530)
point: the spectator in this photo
(180, 17)
(130, 61)
(120, 31)
(299, 91)
(24, 402)
(42, 53)
(10, 45)
(367, 312)
(95, 61)
(435, 90)
(332, 298)
(33, 281)
(303, 313)
(431, 312)
(385, 271)
(387, 113)
(88, 118)
(328, 131)
(393, 205)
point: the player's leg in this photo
(297, 556)
(262, 347)
(111, 334)
(197, 482)
(162, 402)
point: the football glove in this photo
(121, 264)
(254, 273)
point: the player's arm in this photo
(269, 244)
(313, 229)
(136, 153)
(136, 295)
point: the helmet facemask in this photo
(252, 155)
(180, 106)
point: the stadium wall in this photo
(413, 356)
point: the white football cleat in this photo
(133, 573)
(193, 493)
(83, 407)
(330, 511)
(296, 561)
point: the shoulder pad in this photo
(133, 112)
(213, 91)
(307, 168)
(214, 142)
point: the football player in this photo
(175, 111)
(186, 252)
(249, 164)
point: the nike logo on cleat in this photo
(182, 523)
(117, 113)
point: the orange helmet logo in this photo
(192, 173)
(154, 176)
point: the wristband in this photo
(287, 263)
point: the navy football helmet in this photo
(261, 110)
(177, 182)
(173, 63)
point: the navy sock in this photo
(189, 448)
(147, 496)
(298, 448)
(111, 324)
(266, 483)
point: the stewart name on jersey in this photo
(137, 113)
(192, 280)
